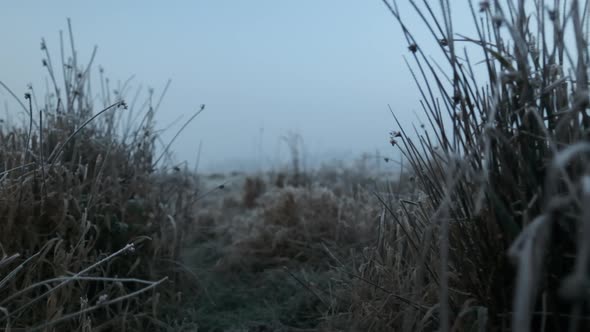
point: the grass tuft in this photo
(89, 226)
(502, 166)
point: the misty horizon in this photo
(325, 71)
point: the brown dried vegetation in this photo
(89, 230)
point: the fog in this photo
(325, 70)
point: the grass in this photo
(89, 227)
(484, 228)
(503, 166)
(263, 261)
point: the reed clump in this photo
(496, 240)
(90, 224)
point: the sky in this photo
(323, 69)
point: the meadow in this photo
(483, 225)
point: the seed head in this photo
(497, 20)
(413, 48)
(457, 98)
(483, 6)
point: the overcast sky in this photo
(325, 69)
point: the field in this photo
(483, 225)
